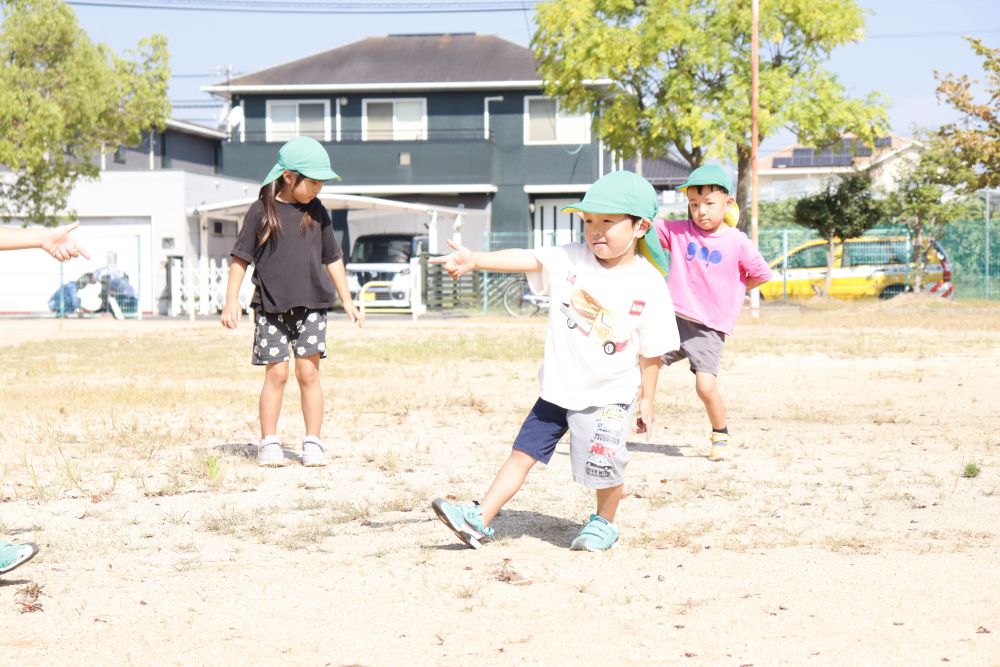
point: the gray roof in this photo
(452, 58)
(664, 172)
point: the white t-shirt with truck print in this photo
(600, 321)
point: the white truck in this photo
(384, 258)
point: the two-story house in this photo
(456, 120)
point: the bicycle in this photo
(520, 301)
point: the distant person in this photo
(610, 322)
(119, 288)
(66, 299)
(58, 243)
(712, 266)
(287, 235)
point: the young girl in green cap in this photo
(610, 321)
(287, 235)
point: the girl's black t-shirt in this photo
(290, 268)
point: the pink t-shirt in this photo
(709, 272)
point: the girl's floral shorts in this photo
(302, 330)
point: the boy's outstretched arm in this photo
(463, 260)
(649, 370)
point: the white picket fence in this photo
(200, 289)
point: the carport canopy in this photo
(236, 209)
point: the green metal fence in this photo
(972, 248)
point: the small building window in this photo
(217, 228)
(394, 120)
(546, 123)
(287, 119)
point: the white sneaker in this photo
(270, 454)
(313, 452)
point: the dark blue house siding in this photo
(189, 152)
(171, 150)
(457, 150)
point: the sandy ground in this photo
(859, 523)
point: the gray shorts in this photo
(301, 328)
(700, 344)
(597, 438)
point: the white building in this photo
(137, 216)
(798, 171)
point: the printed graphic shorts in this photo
(597, 438)
(301, 328)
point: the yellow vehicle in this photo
(862, 267)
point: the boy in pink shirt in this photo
(712, 265)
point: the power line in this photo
(950, 33)
(276, 7)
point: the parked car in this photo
(862, 267)
(384, 258)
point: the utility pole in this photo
(754, 140)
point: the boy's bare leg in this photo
(508, 480)
(708, 391)
(307, 373)
(607, 502)
(269, 407)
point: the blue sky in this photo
(907, 40)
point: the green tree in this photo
(63, 99)
(977, 137)
(679, 73)
(778, 214)
(842, 210)
(930, 193)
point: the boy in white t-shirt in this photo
(610, 320)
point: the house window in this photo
(287, 119)
(394, 120)
(546, 123)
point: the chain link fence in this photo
(971, 251)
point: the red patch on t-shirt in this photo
(637, 307)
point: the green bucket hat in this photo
(709, 174)
(618, 192)
(629, 193)
(306, 156)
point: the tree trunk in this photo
(829, 266)
(742, 193)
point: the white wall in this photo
(134, 214)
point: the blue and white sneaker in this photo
(15, 555)
(598, 534)
(464, 519)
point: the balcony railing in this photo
(387, 137)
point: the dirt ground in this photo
(858, 524)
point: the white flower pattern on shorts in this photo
(301, 328)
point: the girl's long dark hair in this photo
(270, 222)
